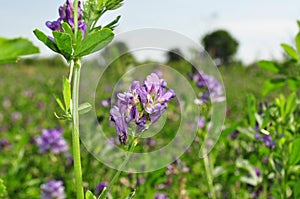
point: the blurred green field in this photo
(27, 107)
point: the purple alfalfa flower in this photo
(53, 190)
(160, 196)
(118, 117)
(201, 122)
(139, 181)
(258, 136)
(66, 15)
(141, 105)
(52, 140)
(214, 89)
(265, 159)
(267, 139)
(4, 143)
(257, 172)
(54, 25)
(234, 134)
(100, 187)
(106, 103)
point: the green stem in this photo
(75, 129)
(71, 70)
(208, 172)
(124, 163)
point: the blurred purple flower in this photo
(234, 134)
(99, 188)
(106, 103)
(201, 122)
(6, 103)
(257, 136)
(52, 140)
(66, 15)
(160, 196)
(257, 172)
(141, 105)
(53, 190)
(267, 139)
(214, 88)
(139, 181)
(265, 160)
(4, 143)
(16, 116)
(151, 142)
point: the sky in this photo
(260, 26)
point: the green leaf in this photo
(293, 83)
(93, 42)
(103, 193)
(66, 116)
(84, 108)
(67, 28)
(64, 43)
(115, 4)
(298, 22)
(251, 104)
(113, 24)
(298, 43)
(252, 179)
(11, 49)
(67, 93)
(291, 104)
(46, 40)
(297, 187)
(268, 65)
(290, 51)
(89, 195)
(59, 102)
(2, 188)
(131, 195)
(295, 153)
(271, 85)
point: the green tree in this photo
(220, 45)
(174, 55)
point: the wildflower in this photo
(214, 88)
(257, 172)
(4, 143)
(201, 122)
(53, 190)
(99, 187)
(66, 15)
(160, 196)
(52, 140)
(139, 181)
(141, 105)
(106, 103)
(234, 134)
(267, 139)
(265, 159)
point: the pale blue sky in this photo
(259, 25)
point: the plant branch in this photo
(75, 129)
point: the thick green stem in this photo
(75, 134)
(208, 172)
